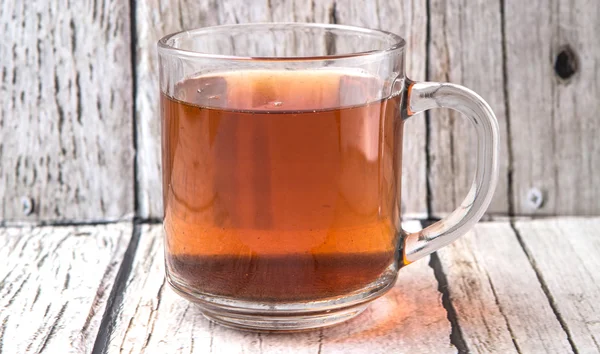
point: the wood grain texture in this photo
(564, 252)
(54, 285)
(500, 305)
(409, 319)
(466, 49)
(554, 122)
(156, 18)
(409, 20)
(65, 102)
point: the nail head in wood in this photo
(535, 198)
(27, 205)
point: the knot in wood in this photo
(565, 65)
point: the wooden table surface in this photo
(521, 286)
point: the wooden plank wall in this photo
(79, 125)
(66, 143)
(554, 120)
(465, 48)
(158, 17)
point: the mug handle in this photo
(422, 96)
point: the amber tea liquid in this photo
(280, 186)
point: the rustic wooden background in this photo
(79, 123)
(79, 144)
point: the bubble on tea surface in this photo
(210, 91)
(277, 103)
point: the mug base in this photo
(285, 317)
(291, 323)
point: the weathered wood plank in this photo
(554, 122)
(66, 150)
(408, 19)
(156, 18)
(54, 285)
(466, 49)
(500, 305)
(151, 316)
(565, 253)
(409, 319)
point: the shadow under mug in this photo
(281, 152)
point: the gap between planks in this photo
(490, 292)
(55, 285)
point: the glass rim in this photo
(398, 43)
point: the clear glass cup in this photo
(281, 169)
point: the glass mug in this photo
(281, 155)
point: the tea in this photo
(281, 185)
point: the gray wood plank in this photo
(54, 285)
(500, 305)
(409, 20)
(554, 122)
(152, 318)
(564, 252)
(466, 49)
(66, 150)
(156, 18)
